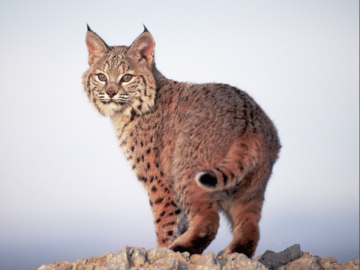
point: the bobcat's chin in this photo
(109, 109)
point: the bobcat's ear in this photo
(144, 47)
(95, 45)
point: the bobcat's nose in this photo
(110, 93)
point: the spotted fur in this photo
(197, 148)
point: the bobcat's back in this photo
(197, 148)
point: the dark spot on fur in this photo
(158, 220)
(123, 143)
(170, 233)
(244, 145)
(132, 148)
(178, 211)
(153, 189)
(163, 213)
(148, 165)
(156, 151)
(224, 178)
(159, 200)
(143, 178)
(151, 178)
(169, 224)
(133, 113)
(148, 151)
(196, 147)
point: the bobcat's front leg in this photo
(165, 211)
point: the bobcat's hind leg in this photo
(245, 230)
(244, 211)
(203, 220)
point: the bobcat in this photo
(198, 149)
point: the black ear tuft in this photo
(88, 28)
(145, 29)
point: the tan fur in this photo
(197, 149)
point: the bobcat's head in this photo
(120, 78)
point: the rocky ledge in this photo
(134, 258)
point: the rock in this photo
(309, 262)
(236, 261)
(327, 262)
(208, 260)
(353, 264)
(208, 267)
(156, 254)
(273, 260)
(46, 267)
(305, 262)
(293, 252)
(134, 258)
(137, 256)
(167, 264)
(120, 260)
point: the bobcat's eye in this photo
(102, 77)
(126, 78)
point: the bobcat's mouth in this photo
(111, 101)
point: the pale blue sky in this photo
(66, 191)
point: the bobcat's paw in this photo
(223, 253)
(182, 244)
(206, 180)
